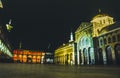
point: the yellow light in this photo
(9, 27)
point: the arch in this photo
(109, 40)
(118, 37)
(84, 45)
(71, 56)
(80, 57)
(105, 40)
(101, 42)
(117, 53)
(85, 55)
(89, 55)
(87, 41)
(109, 55)
(84, 41)
(114, 37)
(100, 55)
(66, 59)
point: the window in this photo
(118, 37)
(101, 42)
(114, 39)
(104, 21)
(109, 40)
(105, 41)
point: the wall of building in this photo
(65, 54)
(85, 53)
(97, 42)
(5, 48)
(27, 56)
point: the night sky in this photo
(46, 24)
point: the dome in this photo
(100, 15)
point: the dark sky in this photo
(42, 23)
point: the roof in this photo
(116, 25)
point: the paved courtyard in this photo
(14, 70)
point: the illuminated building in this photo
(98, 42)
(65, 53)
(99, 22)
(5, 48)
(83, 38)
(49, 58)
(28, 56)
(106, 37)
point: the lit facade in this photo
(5, 48)
(83, 38)
(106, 39)
(28, 56)
(65, 54)
(99, 22)
(98, 42)
(49, 58)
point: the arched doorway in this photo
(100, 56)
(109, 55)
(80, 57)
(85, 55)
(29, 59)
(89, 55)
(117, 53)
(66, 59)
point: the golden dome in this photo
(100, 15)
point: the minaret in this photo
(99, 10)
(71, 37)
(20, 45)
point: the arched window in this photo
(71, 56)
(109, 55)
(100, 56)
(114, 39)
(85, 55)
(118, 37)
(83, 42)
(104, 21)
(109, 21)
(105, 41)
(109, 40)
(101, 42)
(100, 22)
(87, 41)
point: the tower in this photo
(71, 37)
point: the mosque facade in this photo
(96, 42)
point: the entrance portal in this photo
(100, 56)
(117, 53)
(109, 55)
(85, 55)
